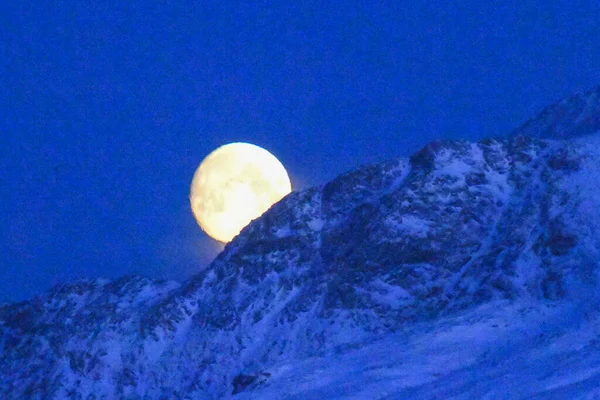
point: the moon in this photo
(233, 185)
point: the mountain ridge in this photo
(456, 226)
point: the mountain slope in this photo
(378, 256)
(500, 350)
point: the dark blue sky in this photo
(107, 109)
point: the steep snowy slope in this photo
(502, 350)
(372, 266)
(540, 345)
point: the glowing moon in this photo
(233, 185)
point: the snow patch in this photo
(409, 225)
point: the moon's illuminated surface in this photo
(233, 185)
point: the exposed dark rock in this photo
(560, 243)
(565, 161)
(425, 158)
(243, 382)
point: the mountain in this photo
(469, 270)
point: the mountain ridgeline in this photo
(371, 253)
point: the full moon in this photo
(233, 185)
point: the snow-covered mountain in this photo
(468, 271)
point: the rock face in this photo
(373, 252)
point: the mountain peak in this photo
(574, 116)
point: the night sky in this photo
(107, 109)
